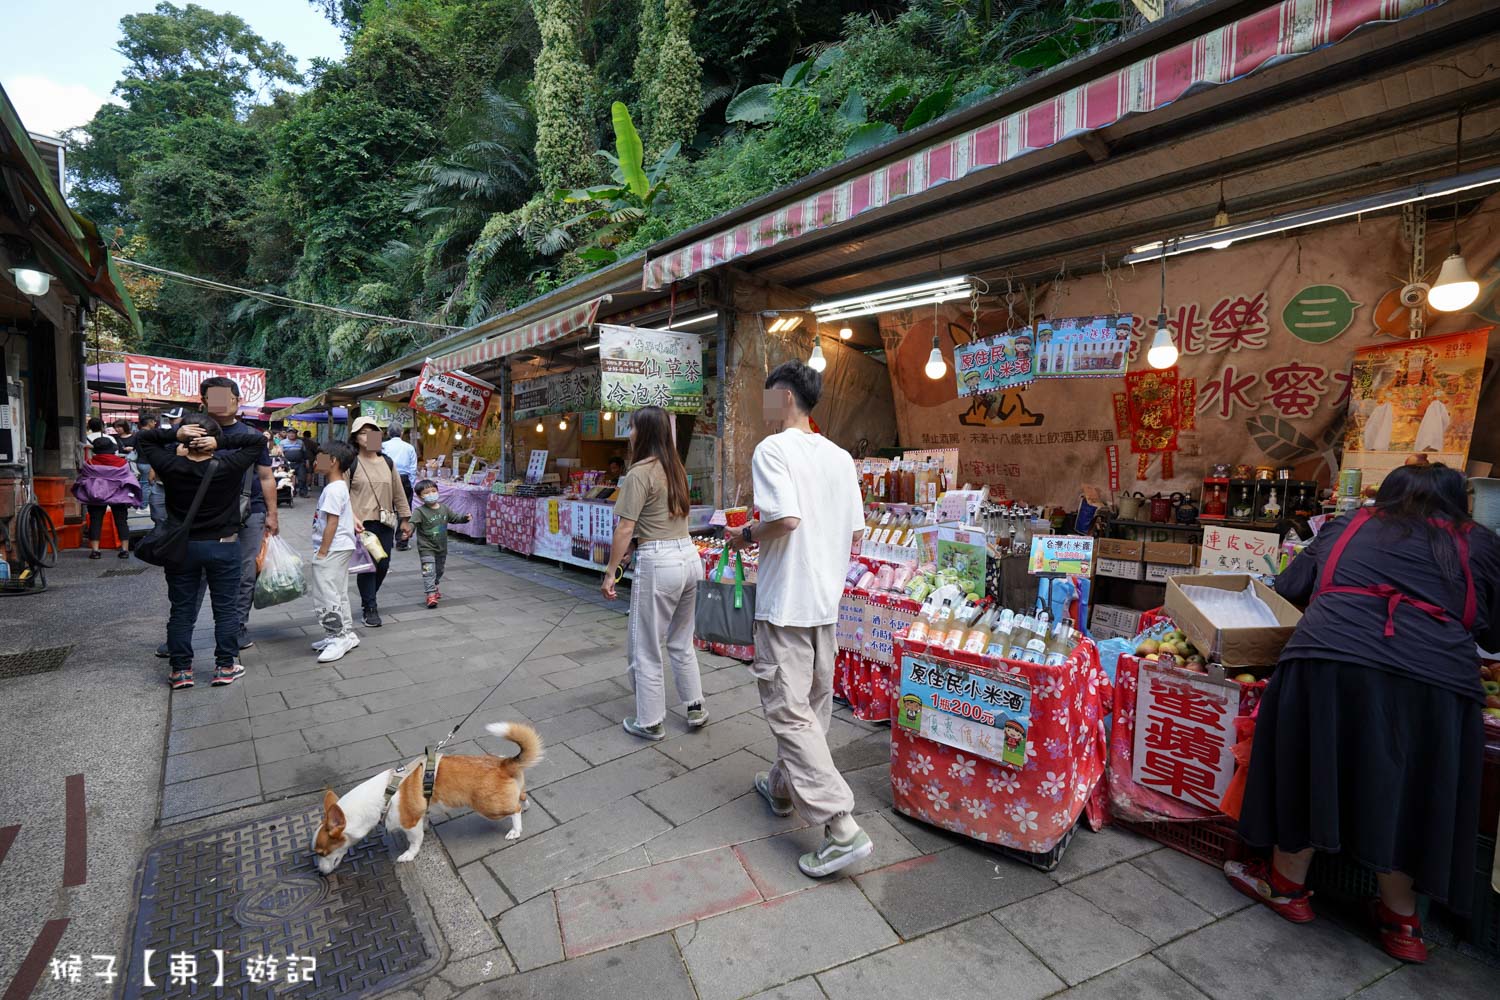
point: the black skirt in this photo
(1380, 766)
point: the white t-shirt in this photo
(800, 581)
(335, 500)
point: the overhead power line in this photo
(281, 300)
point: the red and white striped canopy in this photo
(554, 327)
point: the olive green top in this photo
(643, 499)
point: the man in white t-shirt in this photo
(812, 516)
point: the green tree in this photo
(562, 91)
(173, 41)
(647, 56)
(678, 86)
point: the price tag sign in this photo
(1184, 736)
(1072, 554)
(849, 632)
(536, 465)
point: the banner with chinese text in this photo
(172, 379)
(567, 392)
(994, 363)
(1072, 554)
(1268, 332)
(645, 367)
(1083, 346)
(849, 632)
(387, 414)
(454, 396)
(949, 703)
(1238, 550)
(1184, 735)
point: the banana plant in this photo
(618, 207)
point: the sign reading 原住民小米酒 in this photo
(645, 367)
(181, 381)
(948, 703)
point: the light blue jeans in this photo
(663, 600)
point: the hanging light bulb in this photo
(431, 429)
(1455, 288)
(1163, 350)
(539, 428)
(562, 424)
(845, 333)
(1221, 220)
(817, 362)
(608, 416)
(458, 435)
(936, 367)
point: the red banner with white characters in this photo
(147, 377)
(455, 396)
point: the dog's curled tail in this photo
(522, 736)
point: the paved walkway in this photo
(653, 870)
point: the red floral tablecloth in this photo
(865, 684)
(1031, 808)
(510, 521)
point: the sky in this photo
(58, 61)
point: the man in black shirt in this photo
(180, 460)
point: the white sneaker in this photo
(324, 642)
(336, 649)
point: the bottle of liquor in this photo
(977, 639)
(1063, 639)
(921, 627)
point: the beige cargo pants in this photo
(794, 670)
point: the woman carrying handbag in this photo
(379, 503)
(653, 510)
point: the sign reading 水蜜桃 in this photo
(645, 367)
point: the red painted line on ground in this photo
(30, 971)
(7, 837)
(76, 850)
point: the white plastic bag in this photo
(280, 577)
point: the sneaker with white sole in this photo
(697, 715)
(227, 674)
(653, 733)
(327, 640)
(833, 854)
(336, 649)
(779, 806)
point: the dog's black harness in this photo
(429, 778)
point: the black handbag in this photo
(726, 611)
(167, 543)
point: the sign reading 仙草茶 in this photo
(645, 367)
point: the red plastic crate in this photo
(1212, 841)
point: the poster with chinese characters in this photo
(949, 703)
(386, 414)
(882, 622)
(644, 367)
(994, 363)
(849, 631)
(455, 396)
(1083, 346)
(1417, 397)
(1237, 550)
(1184, 735)
(566, 392)
(170, 379)
(1073, 554)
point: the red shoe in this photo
(1401, 937)
(1253, 879)
(432, 600)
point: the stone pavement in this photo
(653, 869)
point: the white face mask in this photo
(430, 499)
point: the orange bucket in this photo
(50, 490)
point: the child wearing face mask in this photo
(430, 521)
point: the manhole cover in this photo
(33, 661)
(252, 893)
(134, 571)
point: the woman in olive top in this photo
(653, 510)
(379, 501)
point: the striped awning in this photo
(554, 327)
(1289, 28)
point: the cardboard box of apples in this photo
(1167, 645)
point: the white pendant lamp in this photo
(936, 367)
(540, 429)
(817, 362)
(608, 416)
(845, 333)
(1163, 350)
(1455, 288)
(562, 424)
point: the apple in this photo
(1492, 687)
(1246, 678)
(1147, 647)
(1492, 701)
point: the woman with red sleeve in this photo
(1370, 738)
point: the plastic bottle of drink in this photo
(938, 626)
(1064, 637)
(1022, 631)
(977, 639)
(1000, 633)
(958, 627)
(921, 628)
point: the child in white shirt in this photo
(333, 533)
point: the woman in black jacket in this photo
(1370, 738)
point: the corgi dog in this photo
(492, 786)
